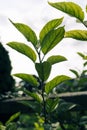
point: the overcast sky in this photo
(36, 13)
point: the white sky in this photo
(36, 13)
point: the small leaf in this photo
(80, 54)
(84, 57)
(77, 34)
(50, 26)
(51, 104)
(56, 59)
(70, 8)
(28, 78)
(85, 63)
(13, 117)
(85, 23)
(84, 72)
(43, 70)
(86, 8)
(34, 95)
(54, 82)
(75, 72)
(52, 39)
(23, 49)
(28, 33)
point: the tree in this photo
(6, 80)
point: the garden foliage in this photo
(51, 109)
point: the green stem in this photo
(42, 87)
(44, 104)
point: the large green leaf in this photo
(28, 78)
(24, 49)
(28, 33)
(49, 26)
(54, 82)
(34, 95)
(77, 34)
(52, 39)
(43, 70)
(70, 8)
(56, 59)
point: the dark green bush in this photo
(6, 80)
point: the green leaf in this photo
(28, 33)
(80, 54)
(28, 78)
(56, 59)
(34, 95)
(70, 8)
(75, 72)
(83, 120)
(77, 34)
(2, 127)
(86, 8)
(54, 82)
(23, 49)
(36, 106)
(85, 23)
(84, 72)
(43, 70)
(65, 107)
(49, 26)
(51, 104)
(13, 117)
(84, 57)
(85, 63)
(52, 39)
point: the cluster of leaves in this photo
(24, 122)
(79, 83)
(51, 35)
(74, 120)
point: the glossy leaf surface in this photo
(28, 78)
(43, 70)
(56, 59)
(70, 8)
(52, 39)
(54, 82)
(23, 49)
(49, 26)
(77, 34)
(28, 33)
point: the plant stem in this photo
(42, 88)
(44, 104)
